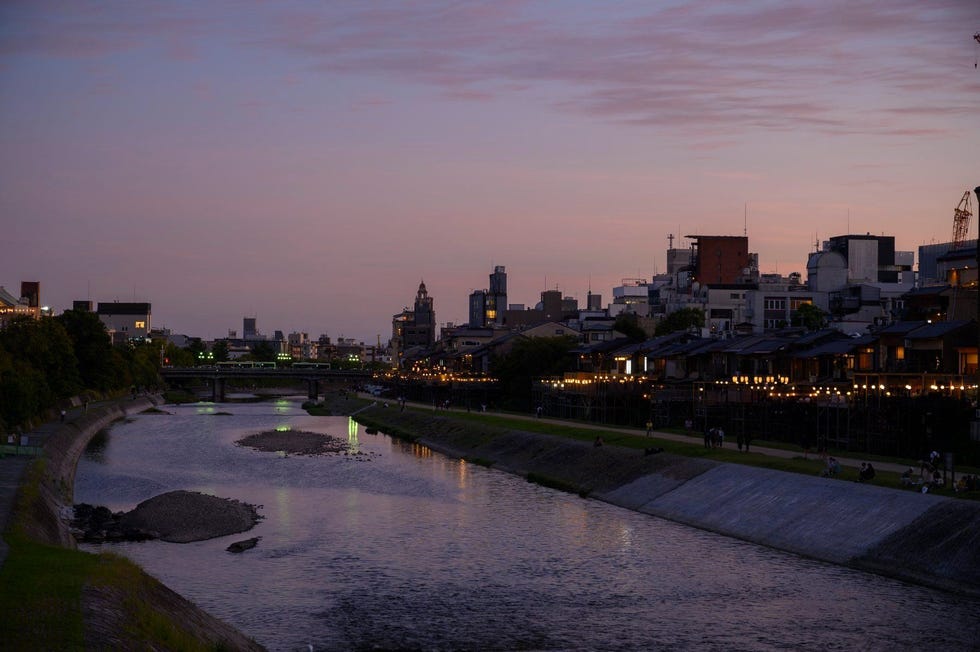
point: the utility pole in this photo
(975, 429)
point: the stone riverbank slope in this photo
(922, 538)
(105, 610)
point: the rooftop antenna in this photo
(745, 221)
(976, 37)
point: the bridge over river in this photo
(218, 377)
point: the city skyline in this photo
(309, 164)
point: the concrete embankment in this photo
(109, 612)
(927, 539)
(62, 450)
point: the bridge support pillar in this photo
(218, 390)
(313, 389)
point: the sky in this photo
(308, 163)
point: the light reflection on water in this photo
(404, 548)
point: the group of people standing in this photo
(715, 438)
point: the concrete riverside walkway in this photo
(12, 467)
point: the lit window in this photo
(141, 324)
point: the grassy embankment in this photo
(57, 598)
(42, 598)
(388, 422)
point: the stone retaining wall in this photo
(917, 537)
(62, 450)
(106, 611)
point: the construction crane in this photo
(961, 221)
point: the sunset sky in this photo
(308, 163)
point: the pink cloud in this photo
(782, 67)
(693, 67)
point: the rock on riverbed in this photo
(294, 442)
(176, 516)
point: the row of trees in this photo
(46, 361)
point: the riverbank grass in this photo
(812, 466)
(42, 600)
(47, 592)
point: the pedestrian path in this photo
(849, 462)
(12, 467)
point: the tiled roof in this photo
(936, 329)
(837, 347)
(900, 327)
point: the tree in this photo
(175, 356)
(263, 352)
(24, 394)
(626, 324)
(44, 345)
(529, 359)
(681, 320)
(93, 349)
(810, 316)
(37, 368)
(197, 349)
(220, 351)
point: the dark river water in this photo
(397, 547)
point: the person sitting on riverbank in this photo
(966, 483)
(909, 479)
(832, 469)
(867, 472)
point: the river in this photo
(397, 547)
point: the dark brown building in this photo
(720, 258)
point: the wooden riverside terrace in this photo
(218, 376)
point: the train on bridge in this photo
(249, 364)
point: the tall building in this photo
(550, 305)
(496, 301)
(249, 330)
(593, 301)
(487, 307)
(424, 328)
(633, 297)
(126, 321)
(931, 272)
(870, 258)
(412, 328)
(720, 259)
(31, 291)
(478, 309)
